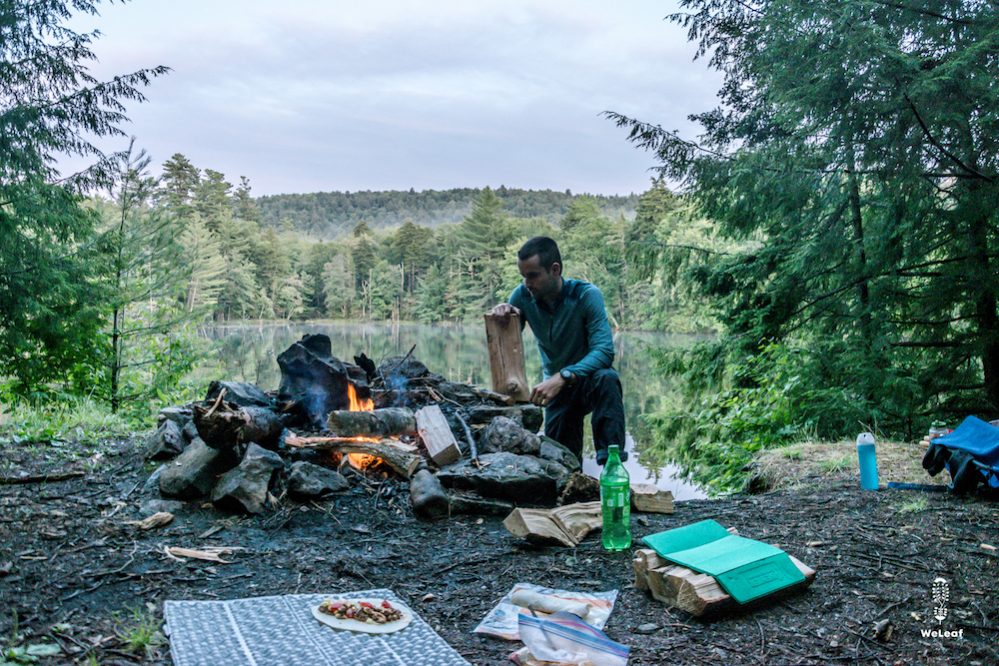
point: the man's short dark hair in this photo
(545, 248)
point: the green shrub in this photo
(772, 398)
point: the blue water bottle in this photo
(868, 461)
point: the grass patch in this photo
(792, 452)
(835, 464)
(140, 631)
(66, 419)
(799, 464)
(917, 505)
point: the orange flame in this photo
(360, 460)
(357, 404)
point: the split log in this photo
(436, 435)
(579, 519)
(696, 593)
(227, 426)
(387, 422)
(506, 356)
(396, 455)
(538, 527)
(646, 498)
(645, 560)
(566, 525)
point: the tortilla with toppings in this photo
(368, 615)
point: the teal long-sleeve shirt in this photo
(574, 334)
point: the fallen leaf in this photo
(362, 529)
(429, 596)
(210, 554)
(815, 544)
(156, 520)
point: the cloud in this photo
(304, 96)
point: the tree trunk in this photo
(984, 295)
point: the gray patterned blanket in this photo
(280, 631)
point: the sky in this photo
(308, 96)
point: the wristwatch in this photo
(567, 376)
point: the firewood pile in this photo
(455, 447)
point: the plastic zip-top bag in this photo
(563, 638)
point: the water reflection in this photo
(248, 352)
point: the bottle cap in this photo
(865, 438)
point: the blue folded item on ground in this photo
(970, 453)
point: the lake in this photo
(248, 352)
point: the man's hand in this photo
(545, 392)
(504, 310)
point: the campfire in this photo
(459, 448)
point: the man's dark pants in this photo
(599, 393)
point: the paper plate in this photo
(365, 627)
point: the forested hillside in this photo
(328, 215)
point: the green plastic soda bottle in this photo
(615, 502)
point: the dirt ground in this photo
(74, 574)
(798, 466)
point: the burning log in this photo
(393, 453)
(506, 356)
(387, 422)
(226, 426)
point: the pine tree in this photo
(142, 249)
(179, 181)
(51, 304)
(857, 158)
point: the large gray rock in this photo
(552, 450)
(427, 497)
(192, 474)
(307, 480)
(244, 488)
(505, 434)
(179, 415)
(518, 478)
(313, 379)
(166, 442)
(243, 394)
(531, 417)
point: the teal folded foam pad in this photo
(745, 568)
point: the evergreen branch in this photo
(933, 140)
(924, 12)
(929, 322)
(928, 344)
